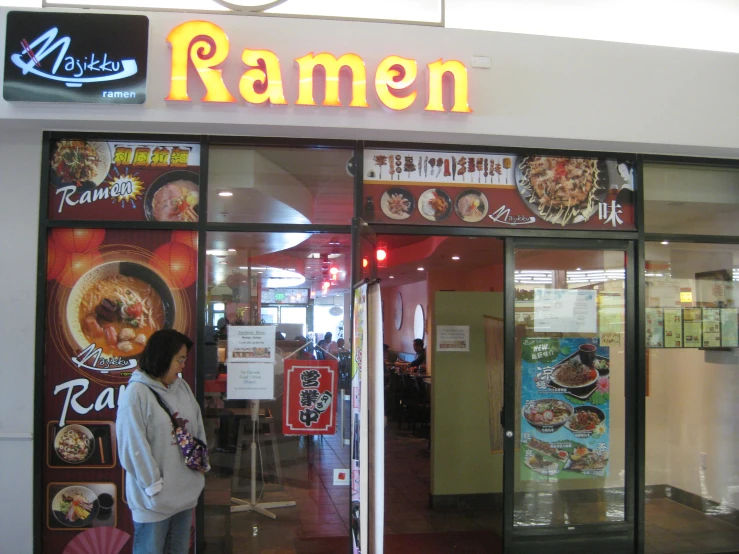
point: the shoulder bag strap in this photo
(164, 407)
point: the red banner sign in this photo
(124, 181)
(309, 406)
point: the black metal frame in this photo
(635, 287)
(525, 539)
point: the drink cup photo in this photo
(587, 354)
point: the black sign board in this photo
(71, 57)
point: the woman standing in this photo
(161, 490)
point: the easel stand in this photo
(252, 505)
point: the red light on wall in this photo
(381, 254)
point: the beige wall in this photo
(412, 295)
(692, 410)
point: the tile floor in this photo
(319, 522)
(672, 528)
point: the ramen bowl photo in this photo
(174, 196)
(74, 444)
(117, 306)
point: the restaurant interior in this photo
(443, 438)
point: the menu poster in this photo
(565, 394)
(673, 327)
(124, 181)
(498, 190)
(250, 343)
(565, 311)
(692, 328)
(360, 436)
(655, 328)
(729, 328)
(107, 292)
(452, 338)
(711, 328)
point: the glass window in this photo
(270, 316)
(570, 427)
(242, 269)
(692, 461)
(691, 200)
(280, 185)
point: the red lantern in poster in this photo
(78, 240)
(77, 265)
(309, 406)
(177, 261)
(56, 259)
(190, 238)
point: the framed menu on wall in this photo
(729, 328)
(673, 318)
(693, 327)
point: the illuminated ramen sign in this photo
(205, 46)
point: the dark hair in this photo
(418, 342)
(160, 350)
(328, 336)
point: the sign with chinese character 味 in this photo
(124, 181)
(310, 390)
(502, 190)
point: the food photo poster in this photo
(565, 399)
(498, 190)
(107, 291)
(124, 181)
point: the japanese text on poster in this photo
(565, 393)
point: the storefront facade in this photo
(505, 112)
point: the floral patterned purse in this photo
(193, 449)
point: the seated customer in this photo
(419, 364)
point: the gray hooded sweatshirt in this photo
(158, 483)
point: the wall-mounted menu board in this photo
(285, 296)
(692, 328)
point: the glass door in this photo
(568, 469)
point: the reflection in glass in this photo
(681, 199)
(692, 385)
(570, 330)
(273, 279)
(280, 185)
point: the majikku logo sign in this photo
(69, 57)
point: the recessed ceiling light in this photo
(223, 263)
(243, 267)
(225, 193)
(455, 257)
(665, 242)
(420, 269)
(260, 272)
(577, 269)
(392, 277)
(232, 250)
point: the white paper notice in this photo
(252, 381)
(452, 338)
(247, 344)
(565, 311)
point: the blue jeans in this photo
(170, 536)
